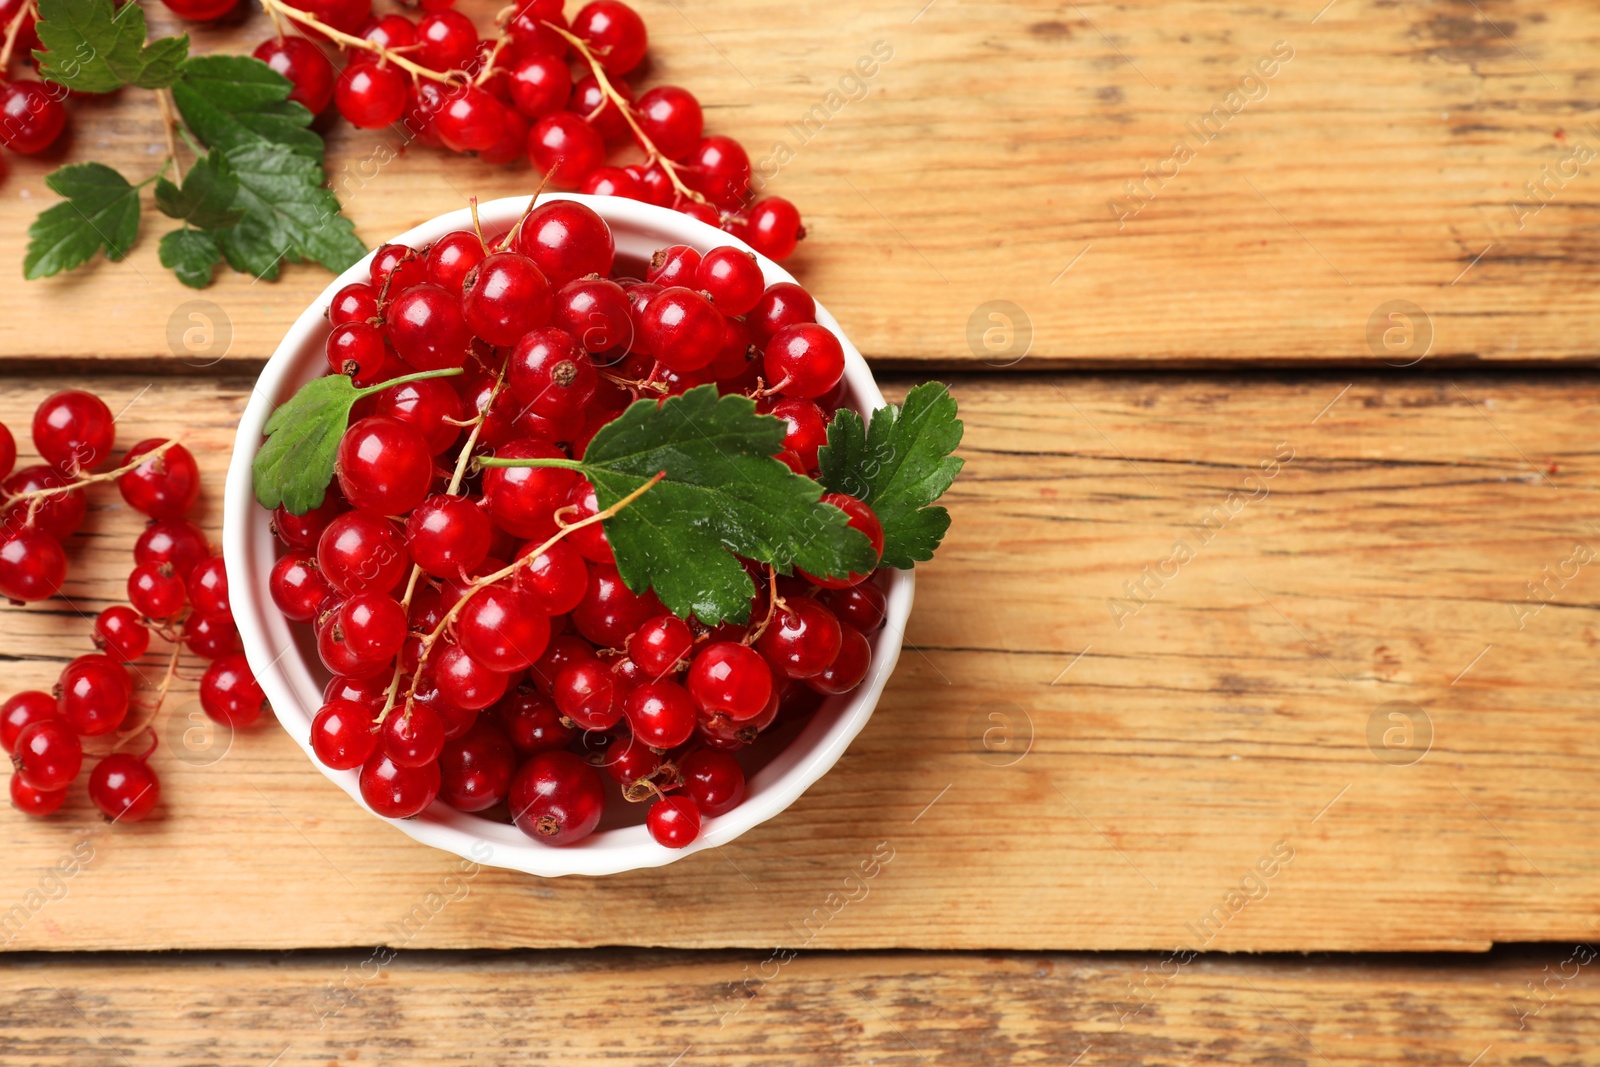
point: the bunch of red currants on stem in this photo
(483, 648)
(33, 113)
(177, 588)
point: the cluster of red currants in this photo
(516, 95)
(33, 113)
(177, 587)
(514, 669)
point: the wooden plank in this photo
(1005, 158)
(1344, 723)
(1530, 1006)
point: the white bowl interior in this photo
(286, 664)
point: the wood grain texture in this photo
(1004, 157)
(1523, 1007)
(1338, 722)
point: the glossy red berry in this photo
(540, 85)
(661, 714)
(448, 535)
(556, 580)
(310, 75)
(672, 119)
(451, 258)
(469, 120)
(804, 360)
(92, 695)
(612, 181)
(156, 591)
(48, 755)
(396, 268)
(476, 768)
(730, 679)
(659, 644)
(674, 265)
(719, 168)
(849, 667)
(356, 349)
(371, 95)
(567, 240)
(548, 372)
(59, 515)
(732, 277)
(465, 682)
(713, 780)
(568, 144)
(397, 792)
(588, 693)
(297, 586)
(356, 302)
(806, 428)
(374, 626)
(614, 32)
(35, 802)
(202, 10)
(610, 611)
(862, 518)
(674, 821)
(502, 628)
(120, 634)
(446, 40)
(384, 465)
(163, 487)
(123, 788)
(24, 709)
(591, 103)
(862, 605)
(522, 500)
(413, 736)
(430, 405)
(344, 15)
(782, 304)
(32, 565)
(229, 692)
(682, 329)
(391, 31)
(31, 115)
(210, 636)
(73, 430)
(342, 736)
(557, 798)
(532, 722)
(802, 639)
(506, 296)
(427, 328)
(8, 451)
(774, 227)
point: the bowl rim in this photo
(289, 684)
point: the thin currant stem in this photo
(494, 55)
(431, 639)
(169, 126)
(345, 40)
(774, 602)
(88, 479)
(13, 31)
(566, 464)
(652, 153)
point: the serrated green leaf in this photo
(294, 465)
(206, 199)
(724, 495)
(899, 464)
(192, 255)
(232, 101)
(101, 212)
(287, 215)
(95, 46)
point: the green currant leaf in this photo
(101, 212)
(899, 464)
(95, 46)
(294, 466)
(191, 255)
(231, 101)
(287, 214)
(724, 495)
(206, 199)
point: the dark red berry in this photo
(557, 798)
(674, 822)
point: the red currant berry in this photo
(35, 802)
(73, 430)
(557, 798)
(655, 182)
(210, 636)
(310, 74)
(31, 116)
(48, 755)
(849, 667)
(549, 374)
(699, 212)
(732, 277)
(659, 644)
(682, 329)
(802, 639)
(423, 101)
(22, 710)
(719, 168)
(861, 518)
(588, 694)
(342, 736)
(431, 405)
(566, 240)
(451, 258)
(427, 329)
(296, 531)
(782, 304)
(569, 145)
(862, 606)
(506, 296)
(597, 312)
(229, 692)
(674, 822)
(465, 682)
(672, 119)
(59, 515)
(627, 759)
(27, 39)
(730, 679)
(530, 35)
(476, 768)
(610, 611)
(356, 302)
(540, 85)
(470, 120)
(374, 626)
(774, 227)
(202, 10)
(391, 31)
(92, 695)
(343, 15)
(119, 633)
(124, 788)
(713, 780)
(502, 628)
(555, 580)
(446, 40)
(591, 103)
(397, 792)
(661, 714)
(562, 652)
(533, 722)
(371, 95)
(32, 566)
(396, 268)
(8, 451)
(807, 428)
(804, 360)
(590, 541)
(356, 349)
(612, 181)
(523, 500)
(674, 265)
(614, 32)
(385, 466)
(370, 693)
(413, 736)
(448, 535)
(156, 591)
(298, 587)
(163, 487)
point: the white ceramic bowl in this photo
(284, 657)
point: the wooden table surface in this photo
(1237, 583)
